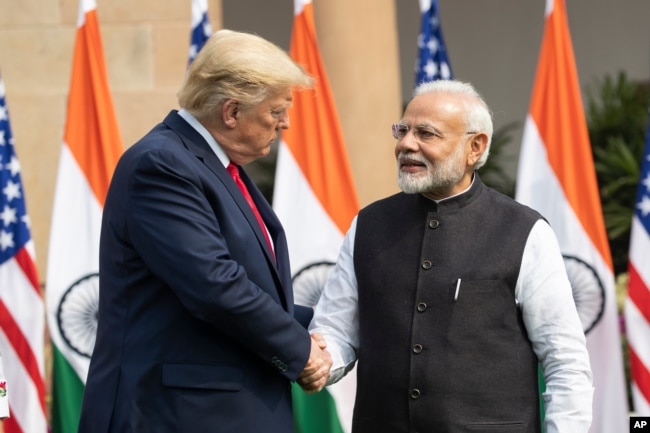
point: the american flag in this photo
(637, 304)
(201, 28)
(22, 320)
(432, 63)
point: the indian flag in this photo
(315, 198)
(556, 176)
(89, 153)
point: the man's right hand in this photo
(315, 374)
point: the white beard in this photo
(440, 176)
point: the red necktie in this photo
(234, 172)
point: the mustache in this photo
(410, 158)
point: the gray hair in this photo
(478, 116)
(240, 66)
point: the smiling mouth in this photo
(410, 165)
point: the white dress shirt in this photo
(218, 150)
(542, 292)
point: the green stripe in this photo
(542, 388)
(314, 413)
(67, 392)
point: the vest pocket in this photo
(493, 427)
(481, 296)
(478, 289)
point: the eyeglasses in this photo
(423, 132)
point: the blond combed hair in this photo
(241, 66)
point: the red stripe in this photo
(640, 374)
(23, 350)
(638, 292)
(10, 424)
(24, 260)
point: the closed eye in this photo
(278, 113)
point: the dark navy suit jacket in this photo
(196, 321)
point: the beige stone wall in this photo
(362, 63)
(145, 46)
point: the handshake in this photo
(317, 370)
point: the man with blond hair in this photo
(198, 332)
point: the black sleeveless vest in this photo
(443, 348)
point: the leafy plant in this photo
(493, 172)
(617, 116)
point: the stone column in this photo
(358, 42)
(145, 50)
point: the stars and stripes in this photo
(432, 63)
(201, 28)
(637, 303)
(22, 321)
(643, 203)
(14, 231)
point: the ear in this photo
(230, 113)
(478, 146)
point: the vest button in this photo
(427, 264)
(417, 348)
(434, 224)
(422, 306)
(415, 393)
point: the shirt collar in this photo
(460, 193)
(216, 148)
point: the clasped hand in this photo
(315, 374)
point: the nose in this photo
(407, 143)
(284, 122)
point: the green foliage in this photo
(617, 117)
(493, 172)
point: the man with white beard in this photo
(450, 294)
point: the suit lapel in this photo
(274, 226)
(196, 144)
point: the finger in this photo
(316, 379)
(314, 386)
(319, 339)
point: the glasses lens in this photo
(399, 130)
